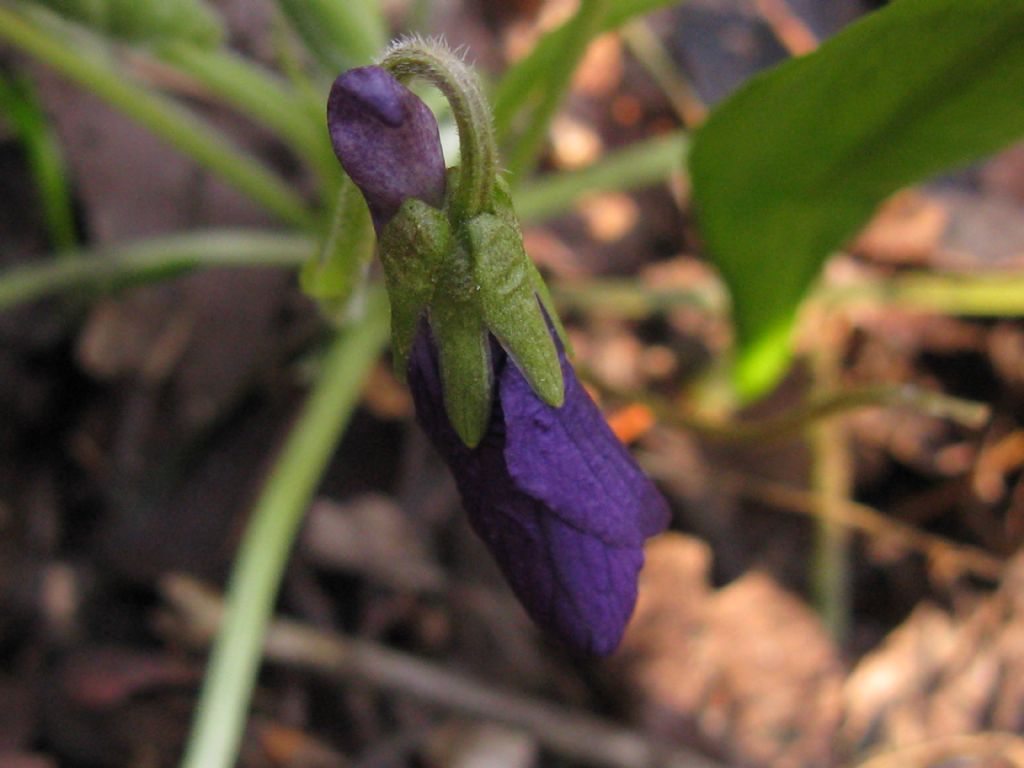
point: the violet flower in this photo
(552, 492)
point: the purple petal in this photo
(570, 459)
(386, 139)
(572, 562)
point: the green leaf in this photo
(340, 33)
(793, 164)
(85, 58)
(526, 83)
(18, 105)
(143, 21)
(643, 163)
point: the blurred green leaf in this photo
(643, 163)
(264, 96)
(146, 20)
(86, 59)
(19, 107)
(792, 165)
(575, 36)
(525, 83)
(340, 33)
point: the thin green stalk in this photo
(433, 62)
(969, 295)
(631, 299)
(152, 259)
(833, 484)
(638, 165)
(992, 294)
(263, 552)
(167, 119)
(581, 30)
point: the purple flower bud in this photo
(552, 492)
(556, 497)
(386, 140)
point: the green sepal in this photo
(463, 349)
(413, 245)
(505, 210)
(332, 274)
(508, 299)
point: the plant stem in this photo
(167, 119)
(478, 152)
(263, 552)
(833, 484)
(152, 259)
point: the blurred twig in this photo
(989, 749)
(821, 406)
(651, 53)
(957, 558)
(789, 28)
(575, 735)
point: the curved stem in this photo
(263, 552)
(478, 151)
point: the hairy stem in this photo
(478, 152)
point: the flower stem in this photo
(263, 552)
(168, 120)
(478, 152)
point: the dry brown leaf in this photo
(747, 672)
